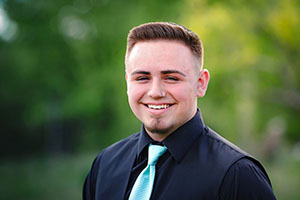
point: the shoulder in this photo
(229, 155)
(220, 151)
(246, 179)
(112, 159)
(113, 154)
(119, 148)
(243, 176)
(223, 145)
(240, 157)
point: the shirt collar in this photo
(144, 140)
(180, 141)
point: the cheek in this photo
(183, 92)
(134, 92)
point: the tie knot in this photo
(155, 151)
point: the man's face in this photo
(163, 84)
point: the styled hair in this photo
(165, 31)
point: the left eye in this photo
(172, 78)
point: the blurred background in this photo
(63, 92)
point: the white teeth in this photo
(157, 107)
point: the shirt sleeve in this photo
(87, 188)
(90, 180)
(246, 181)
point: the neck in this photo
(159, 137)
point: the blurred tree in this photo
(252, 52)
(62, 84)
(61, 76)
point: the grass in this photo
(59, 177)
(284, 173)
(62, 177)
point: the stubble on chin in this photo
(156, 129)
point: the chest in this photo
(187, 180)
(192, 178)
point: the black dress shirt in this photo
(199, 164)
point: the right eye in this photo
(142, 78)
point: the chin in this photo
(159, 130)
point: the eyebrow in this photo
(173, 72)
(140, 72)
(163, 72)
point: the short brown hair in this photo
(165, 31)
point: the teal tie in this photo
(143, 185)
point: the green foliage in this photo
(252, 51)
(62, 86)
(62, 75)
(59, 177)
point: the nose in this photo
(156, 90)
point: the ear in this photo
(203, 80)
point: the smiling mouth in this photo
(158, 107)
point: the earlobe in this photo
(203, 80)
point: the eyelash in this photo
(142, 78)
(172, 78)
(169, 78)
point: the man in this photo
(164, 76)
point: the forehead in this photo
(160, 54)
